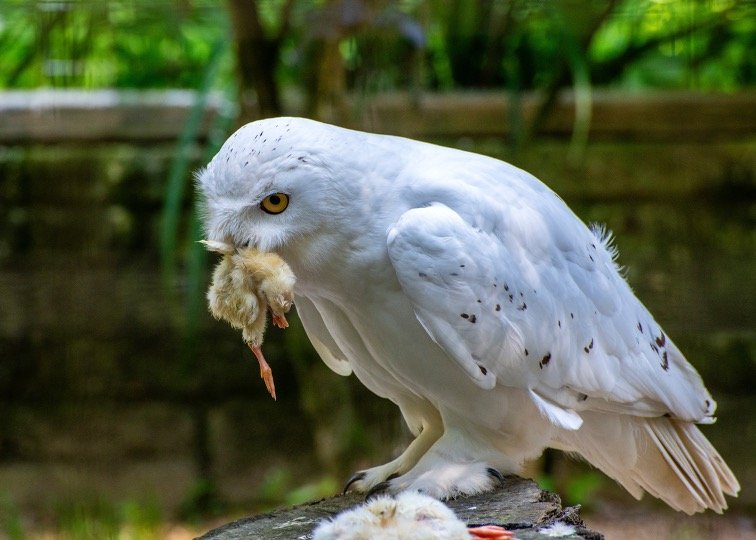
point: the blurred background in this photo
(126, 411)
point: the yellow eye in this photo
(275, 204)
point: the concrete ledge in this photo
(48, 116)
(653, 116)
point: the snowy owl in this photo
(465, 291)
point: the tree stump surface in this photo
(518, 505)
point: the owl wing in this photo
(541, 306)
(317, 330)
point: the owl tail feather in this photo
(670, 459)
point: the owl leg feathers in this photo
(443, 479)
(452, 466)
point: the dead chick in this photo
(246, 283)
(408, 516)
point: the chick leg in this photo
(493, 532)
(265, 372)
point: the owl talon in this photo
(378, 489)
(356, 477)
(495, 474)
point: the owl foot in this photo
(368, 480)
(371, 481)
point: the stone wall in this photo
(102, 395)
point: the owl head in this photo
(283, 180)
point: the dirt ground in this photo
(625, 524)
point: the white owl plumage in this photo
(466, 291)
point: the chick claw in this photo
(265, 372)
(280, 321)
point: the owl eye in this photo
(275, 204)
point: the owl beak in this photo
(223, 248)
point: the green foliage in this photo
(203, 501)
(92, 44)
(274, 486)
(678, 44)
(279, 488)
(545, 482)
(701, 44)
(325, 487)
(193, 254)
(90, 519)
(141, 518)
(95, 517)
(582, 488)
(10, 518)
(179, 174)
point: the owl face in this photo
(304, 190)
(262, 197)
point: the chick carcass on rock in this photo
(246, 283)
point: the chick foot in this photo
(265, 372)
(491, 532)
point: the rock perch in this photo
(518, 505)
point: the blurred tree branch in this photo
(326, 78)
(324, 75)
(580, 41)
(43, 36)
(609, 70)
(257, 56)
(499, 25)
